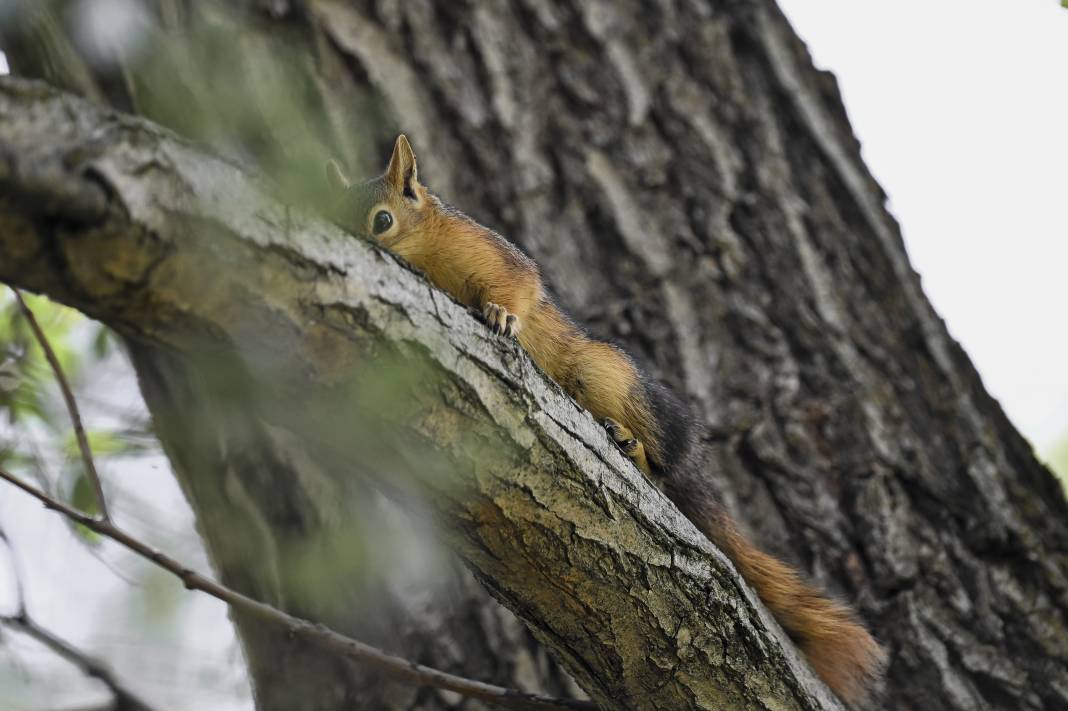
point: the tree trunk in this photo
(693, 149)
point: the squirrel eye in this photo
(383, 221)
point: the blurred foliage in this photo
(38, 434)
(206, 72)
(23, 368)
(242, 103)
(1057, 457)
(141, 626)
(239, 88)
(155, 607)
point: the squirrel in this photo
(648, 423)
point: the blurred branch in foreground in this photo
(317, 634)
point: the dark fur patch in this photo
(678, 428)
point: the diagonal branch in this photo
(70, 401)
(123, 697)
(22, 621)
(16, 575)
(316, 634)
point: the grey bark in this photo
(693, 149)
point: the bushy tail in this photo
(837, 645)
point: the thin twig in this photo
(317, 634)
(72, 404)
(16, 573)
(21, 620)
(124, 698)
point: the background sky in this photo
(962, 110)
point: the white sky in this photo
(962, 108)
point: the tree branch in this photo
(317, 634)
(175, 248)
(71, 403)
(90, 666)
(124, 698)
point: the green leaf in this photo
(1057, 457)
(81, 496)
(102, 443)
(58, 323)
(107, 443)
(83, 499)
(26, 401)
(10, 377)
(13, 459)
(102, 342)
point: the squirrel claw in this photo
(499, 320)
(621, 436)
(625, 440)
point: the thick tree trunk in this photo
(693, 149)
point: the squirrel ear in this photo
(402, 172)
(336, 176)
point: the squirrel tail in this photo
(838, 647)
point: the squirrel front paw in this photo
(621, 436)
(625, 440)
(499, 320)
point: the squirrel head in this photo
(387, 208)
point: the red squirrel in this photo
(647, 422)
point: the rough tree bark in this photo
(693, 148)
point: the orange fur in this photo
(484, 271)
(839, 648)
